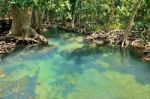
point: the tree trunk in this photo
(21, 25)
(74, 5)
(37, 18)
(130, 24)
(73, 21)
(34, 20)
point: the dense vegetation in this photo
(28, 17)
(74, 49)
(97, 14)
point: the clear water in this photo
(70, 69)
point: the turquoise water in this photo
(70, 69)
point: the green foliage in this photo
(142, 20)
(102, 14)
(4, 6)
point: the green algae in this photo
(69, 69)
(108, 85)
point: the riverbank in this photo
(115, 37)
(8, 42)
(137, 39)
(111, 38)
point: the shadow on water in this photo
(129, 60)
(132, 64)
(140, 69)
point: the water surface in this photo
(70, 69)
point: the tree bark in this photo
(37, 18)
(130, 24)
(40, 16)
(21, 24)
(74, 5)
